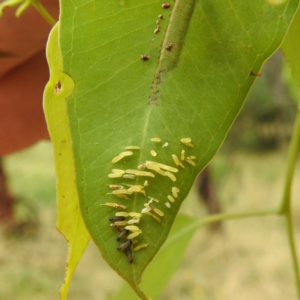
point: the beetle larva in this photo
(155, 139)
(132, 148)
(168, 204)
(129, 176)
(156, 165)
(122, 214)
(177, 161)
(182, 156)
(134, 234)
(171, 199)
(114, 205)
(171, 176)
(137, 248)
(153, 153)
(154, 217)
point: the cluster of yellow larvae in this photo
(127, 222)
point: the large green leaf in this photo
(193, 90)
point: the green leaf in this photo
(193, 90)
(291, 47)
(166, 261)
(69, 220)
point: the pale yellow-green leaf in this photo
(69, 220)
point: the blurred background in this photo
(241, 259)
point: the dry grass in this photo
(249, 259)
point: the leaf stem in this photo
(292, 160)
(290, 233)
(230, 216)
(223, 217)
(45, 14)
(285, 207)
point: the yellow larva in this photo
(171, 176)
(132, 228)
(137, 190)
(131, 171)
(177, 161)
(182, 154)
(139, 173)
(165, 145)
(126, 153)
(121, 155)
(115, 187)
(163, 173)
(132, 148)
(159, 212)
(155, 139)
(129, 176)
(153, 153)
(137, 248)
(153, 167)
(146, 183)
(146, 209)
(135, 214)
(175, 191)
(153, 199)
(122, 196)
(118, 171)
(190, 161)
(122, 214)
(168, 204)
(161, 166)
(142, 167)
(134, 221)
(135, 185)
(154, 217)
(144, 173)
(133, 235)
(189, 145)
(117, 158)
(121, 192)
(121, 223)
(171, 199)
(114, 175)
(186, 140)
(115, 205)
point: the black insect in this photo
(125, 245)
(169, 47)
(145, 57)
(166, 5)
(117, 218)
(128, 253)
(123, 234)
